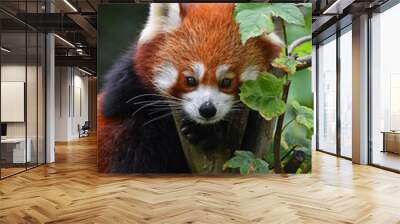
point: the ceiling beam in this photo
(86, 27)
(81, 61)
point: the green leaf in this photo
(308, 15)
(297, 135)
(246, 154)
(244, 170)
(247, 6)
(255, 19)
(303, 49)
(247, 163)
(286, 64)
(253, 23)
(240, 161)
(294, 32)
(264, 95)
(261, 166)
(236, 162)
(305, 5)
(304, 117)
(288, 12)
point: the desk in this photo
(391, 141)
(15, 148)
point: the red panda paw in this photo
(206, 135)
(193, 132)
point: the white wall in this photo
(17, 73)
(71, 102)
(61, 103)
(33, 126)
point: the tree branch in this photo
(284, 36)
(306, 63)
(298, 42)
(278, 132)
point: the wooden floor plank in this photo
(71, 191)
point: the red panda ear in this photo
(163, 17)
(271, 45)
(183, 8)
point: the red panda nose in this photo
(207, 110)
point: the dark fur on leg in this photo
(142, 146)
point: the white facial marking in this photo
(165, 76)
(163, 17)
(223, 103)
(198, 69)
(250, 73)
(221, 70)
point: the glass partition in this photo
(327, 95)
(385, 89)
(346, 92)
(32, 96)
(13, 109)
(22, 78)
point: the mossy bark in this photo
(246, 130)
(210, 156)
(259, 134)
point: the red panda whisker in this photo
(168, 94)
(159, 101)
(155, 104)
(237, 108)
(236, 101)
(142, 107)
(154, 100)
(164, 107)
(157, 118)
(166, 102)
(142, 95)
(162, 110)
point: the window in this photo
(22, 77)
(385, 89)
(327, 95)
(346, 92)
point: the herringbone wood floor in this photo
(71, 191)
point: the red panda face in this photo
(198, 57)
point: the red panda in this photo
(189, 56)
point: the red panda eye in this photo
(191, 81)
(225, 83)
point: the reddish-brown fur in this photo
(109, 130)
(207, 34)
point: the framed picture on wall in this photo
(202, 89)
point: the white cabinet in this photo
(17, 145)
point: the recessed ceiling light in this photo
(5, 50)
(84, 71)
(338, 6)
(64, 40)
(70, 5)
